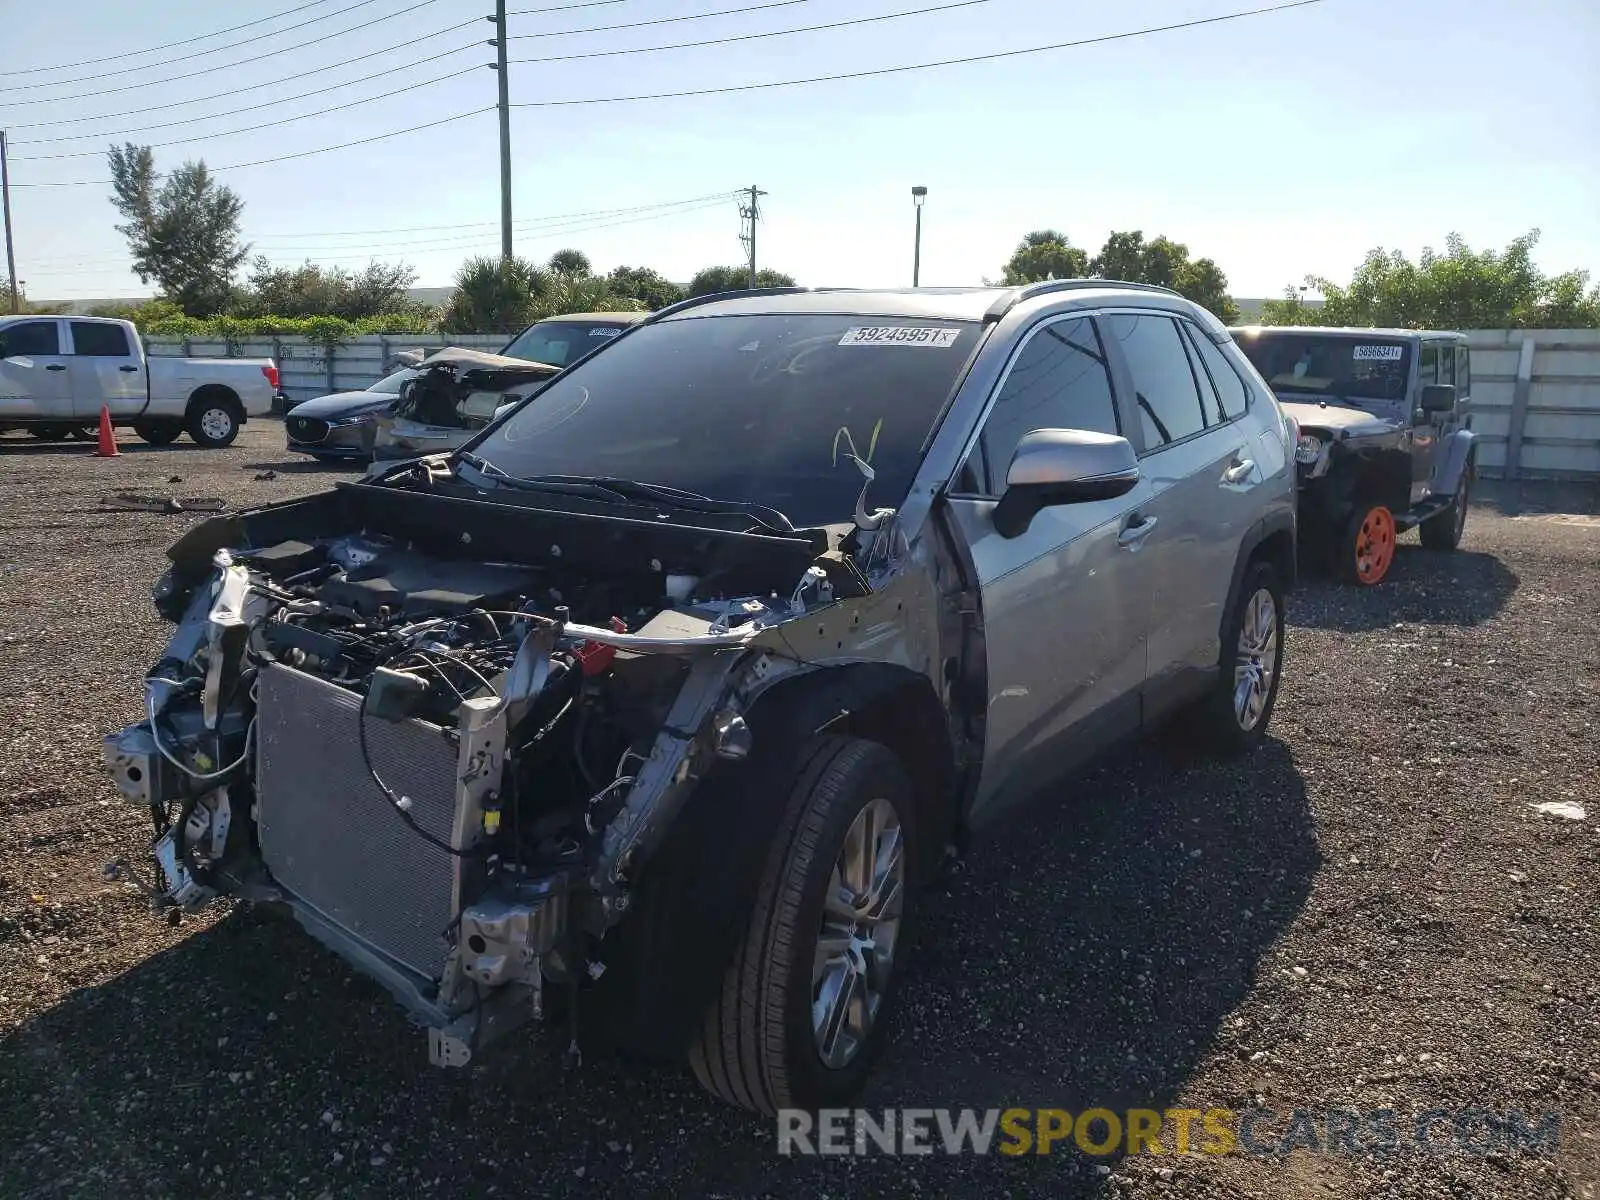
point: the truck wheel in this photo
(1236, 714)
(50, 433)
(214, 418)
(158, 433)
(1443, 530)
(807, 998)
(1366, 547)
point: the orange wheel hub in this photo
(1375, 545)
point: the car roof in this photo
(597, 318)
(950, 304)
(1347, 331)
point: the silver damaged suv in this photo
(643, 715)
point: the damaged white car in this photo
(643, 715)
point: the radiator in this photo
(332, 838)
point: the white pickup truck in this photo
(57, 372)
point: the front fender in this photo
(1455, 455)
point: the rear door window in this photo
(1428, 364)
(94, 340)
(1232, 398)
(1447, 363)
(1163, 381)
(1463, 370)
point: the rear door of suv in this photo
(1197, 458)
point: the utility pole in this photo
(5, 201)
(499, 43)
(752, 213)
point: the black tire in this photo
(215, 418)
(85, 433)
(1224, 728)
(158, 433)
(50, 433)
(756, 1047)
(1443, 530)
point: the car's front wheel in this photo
(805, 1003)
(1367, 545)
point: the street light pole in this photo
(918, 195)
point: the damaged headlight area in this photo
(444, 767)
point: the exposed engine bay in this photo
(445, 731)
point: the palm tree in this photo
(495, 296)
(571, 262)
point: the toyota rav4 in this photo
(644, 714)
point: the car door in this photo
(1435, 364)
(1200, 467)
(105, 370)
(33, 371)
(1064, 602)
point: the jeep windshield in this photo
(557, 343)
(763, 409)
(1330, 366)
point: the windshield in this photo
(557, 343)
(389, 385)
(756, 408)
(1335, 366)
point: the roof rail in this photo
(712, 297)
(1009, 299)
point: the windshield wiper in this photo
(685, 501)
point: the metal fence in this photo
(1535, 393)
(308, 370)
(1536, 402)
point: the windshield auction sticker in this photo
(1377, 353)
(899, 335)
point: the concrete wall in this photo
(1536, 402)
(1535, 393)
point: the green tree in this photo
(494, 296)
(311, 290)
(182, 228)
(1291, 310)
(1126, 256)
(575, 294)
(571, 262)
(1459, 289)
(1044, 254)
(650, 288)
(733, 279)
(22, 300)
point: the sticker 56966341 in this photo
(1377, 353)
(899, 335)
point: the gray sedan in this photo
(340, 426)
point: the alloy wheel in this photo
(1256, 659)
(860, 925)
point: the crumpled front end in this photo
(448, 764)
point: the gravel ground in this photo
(1370, 915)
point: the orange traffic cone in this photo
(108, 439)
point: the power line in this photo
(238, 62)
(167, 62)
(254, 87)
(206, 137)
(927, 66)
(199, 37)
(261, 162)
(722, 12)
(751, 87)
(752, 37)
(746, 37)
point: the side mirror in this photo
(1063, 466)
(1438, 397)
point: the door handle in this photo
(55, 366)
(1133, 536)
(1239, 471)
(128, 367)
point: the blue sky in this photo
(1279, 145)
